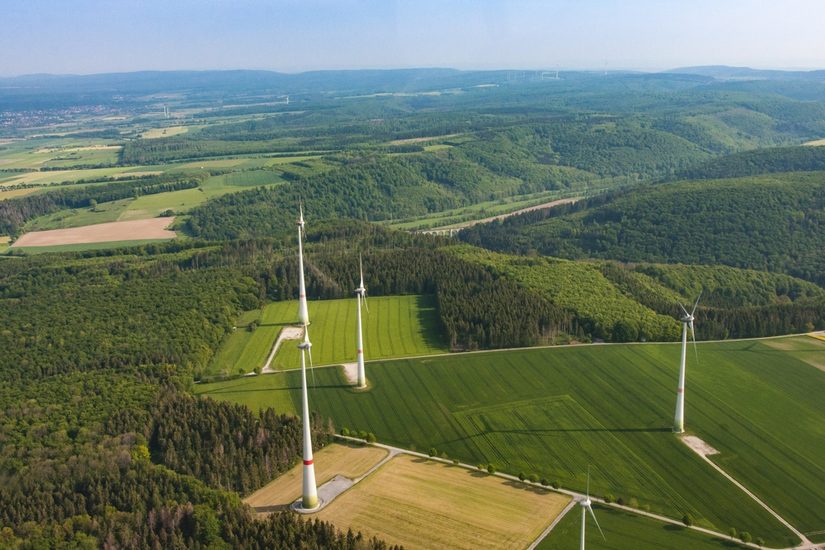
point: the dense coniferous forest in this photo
(760, 161)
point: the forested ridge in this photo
(760, 161)
(769, 223)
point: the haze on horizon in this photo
(94, 36)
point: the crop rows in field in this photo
(395, 326)
(551, 412)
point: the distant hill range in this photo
(353, 80)
(724, 72)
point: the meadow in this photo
(554, 411)
(396, 326)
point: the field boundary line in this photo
(553, 524)
(804, 545)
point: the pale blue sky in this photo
(89, 36)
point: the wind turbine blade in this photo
(597, 522)
(361, 269)
(697, 302)
(365, 303)
(312, 370)
(683, 309)
(588, 481)
(693, 337)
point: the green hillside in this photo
(769, 223)
(760, 161)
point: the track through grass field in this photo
(553, 411)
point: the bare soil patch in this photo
(421, 139)
(351, 372)
(425, 504)
(333, 460)
(699, 446)
(287, 333)
(134, 230)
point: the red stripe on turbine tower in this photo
(308, 462)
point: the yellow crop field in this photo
(335, 459)
(420, 503)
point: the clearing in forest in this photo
(395, 326)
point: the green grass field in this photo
(553, 411)
(626, 531)
(257, 392)
(242, 351)
(396, 326)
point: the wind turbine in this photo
(687, 321)
(303, 312)
(586, 505)
(309, 498)
(361, 294)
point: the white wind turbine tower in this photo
(361, 294)
(303, 312)
(309, 498)
(586, 505)
(687, 321)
